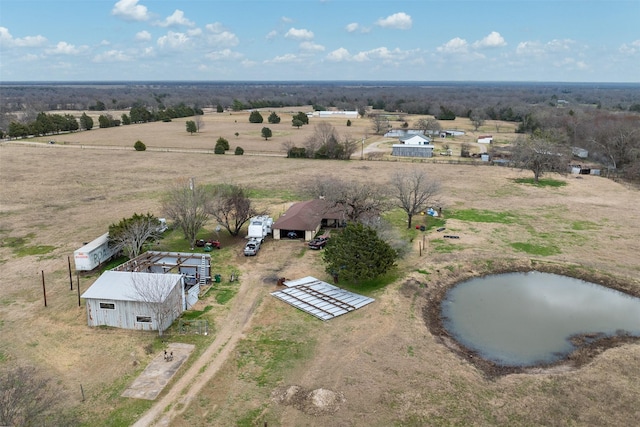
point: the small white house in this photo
(415, 140)
(132, 300)
(485, 139)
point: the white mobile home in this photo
(130, 300)
(93, 253)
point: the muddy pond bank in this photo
(434, 291)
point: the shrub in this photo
(219, 149)
(239, 151)
(348, 122)
(139, 146)
(223, 143)
(255, 117)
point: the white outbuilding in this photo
(134, 300)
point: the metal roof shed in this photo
(320, 299)
(114, 299)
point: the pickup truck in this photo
(318, 243)
(252, 247)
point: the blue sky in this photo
(420, 40)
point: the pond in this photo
(529, 319)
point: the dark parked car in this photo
(318, 243)
(292, 235)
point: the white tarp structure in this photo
(320, 299)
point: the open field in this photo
(383, 365)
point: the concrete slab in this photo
(159, 372)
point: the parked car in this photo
(318, 243)
(252, 247)
(292, 235)
(208, 247)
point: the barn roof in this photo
(120, 285)
(306, 215)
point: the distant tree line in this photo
(44, 124)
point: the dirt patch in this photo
(318, 402)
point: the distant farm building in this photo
(408, 150)
(335, 113)
(402, 133)
(580, 152)
(306, 218)
(451, 133)
(415, 140)
(485, 139)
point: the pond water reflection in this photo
(527, 319)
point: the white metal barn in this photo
(114, 299)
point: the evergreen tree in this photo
(357, 254)
(255, 117)
(273, 118)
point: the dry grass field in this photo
(379, 366)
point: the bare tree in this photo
(379, 123)
(324, 134)
(157, 293)
(26, 397)
(539, 155)
(617, 138)
(130, 234)
(231, 207)
(199, 122)
(188, 205)
(414, 192)
(477, 118)
(360, 202)
(429, 126)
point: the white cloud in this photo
(224, 54)
(537, 49)
(494, 39)
(176, 19)
(64, 48)
(455, 45)
(216, 27)
(130, 10)
(381, 53)
(571, 64)
(224, 38)
(556, 45)
(287, 58)
(6, 39)
(173, 40)
(111, 56)
(143, 36)
(299, 34)
(399, 21)
(339, 55)
(286, 20)
(311, 47)
(271, 35)
(631, 48)
(353, 27)
(219, 36)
